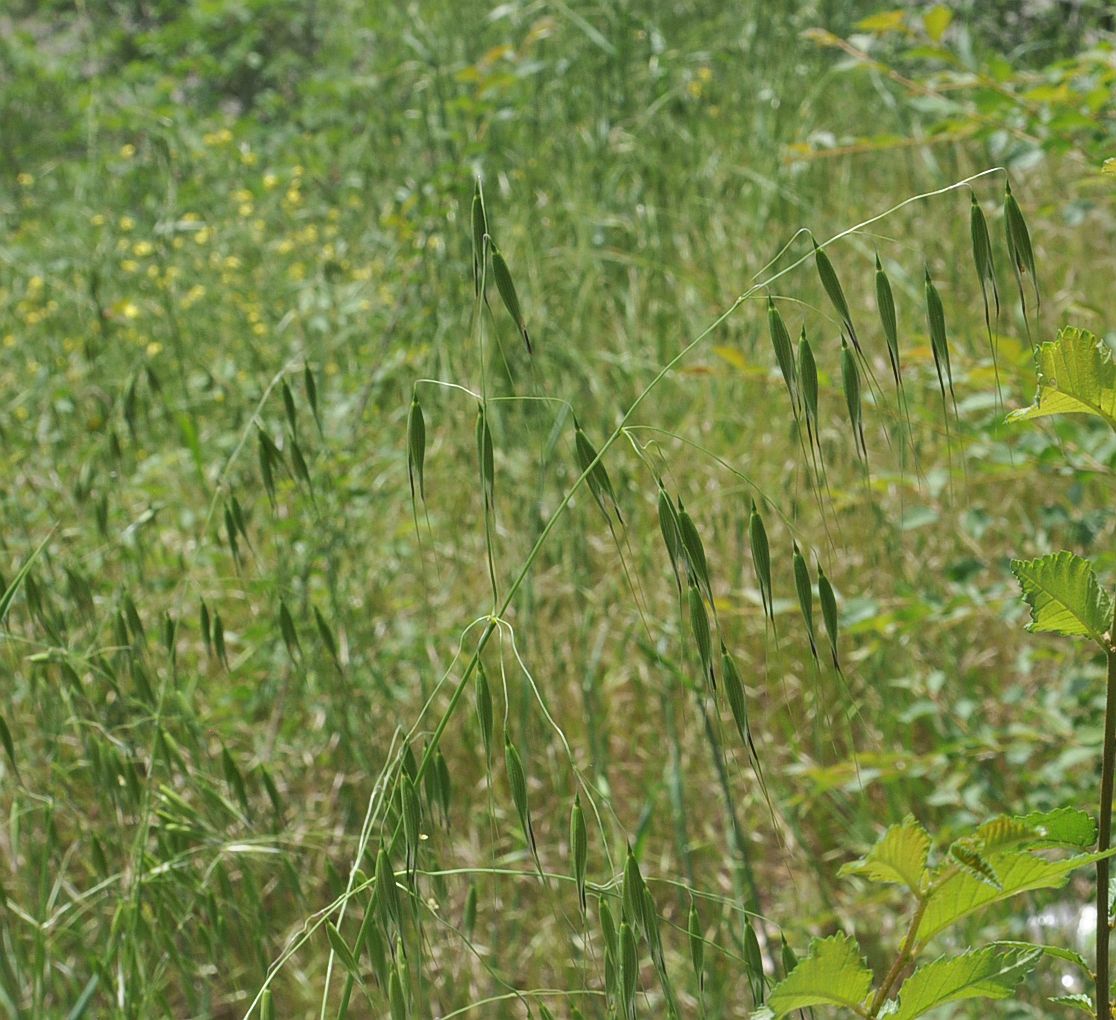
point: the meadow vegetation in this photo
(379, 643)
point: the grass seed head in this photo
(734, 694)
(805, 595)
(761, 560)
(808, 379)
(483, 697)
(1019, 247)
(699, 625)
(506, 287)
(416, 449)
(579, 849)
(829, 614)
(939, 344)
(697, 944)
(885, 304)
(480, 235)
(836, 293)
(784, 352)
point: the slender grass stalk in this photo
(1104, 839)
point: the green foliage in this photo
(1076, 375)
(900, 856)
(831, 974)
(238, 332)
(987, 973)
(1065, 596)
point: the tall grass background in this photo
(236, 241)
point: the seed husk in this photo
(599, 483)
(386, 895)
(9, 744)
(290, 635)
(850, 380)
(784, 354)
(517, 781)
(412, 813)
(327, 638)
(341, 949)
(480, 234)
(629, 969)
(734, 693)
(672, 535)
(484, 711)
(939, 344)
(289, 405)
(805, 596)
(753, 963)
(790, 961)
(469, 917)
(486, 458)
(836, 293)
(808, 380)
(203, 620)
(445, 784)
(695, 550)
(885, 303)
(506, 287)
(761, 561)
(633, 888)
(697, 944)
(829, 613)
(416, 449)
(699, 625)
(579, 849)
(1019, 248)
(311, 387)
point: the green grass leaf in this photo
(1076, 375)
(982, 974)
(831, 975)
(1064, 595)
(900, 857)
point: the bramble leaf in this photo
(831, 975)
(981, 974)
(962, 893)
(1062, 827)
(900, 856)
(1064, 595)
(1076, 375)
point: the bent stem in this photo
(1104, 840)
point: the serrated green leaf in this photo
(831, 975)
(1064, 595)
(981, 974)
(1055, 952)
(962, 893)
(1076, 375)
(1063, 827)
(1079, 1001)
(1002, 833)
(900, 856)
